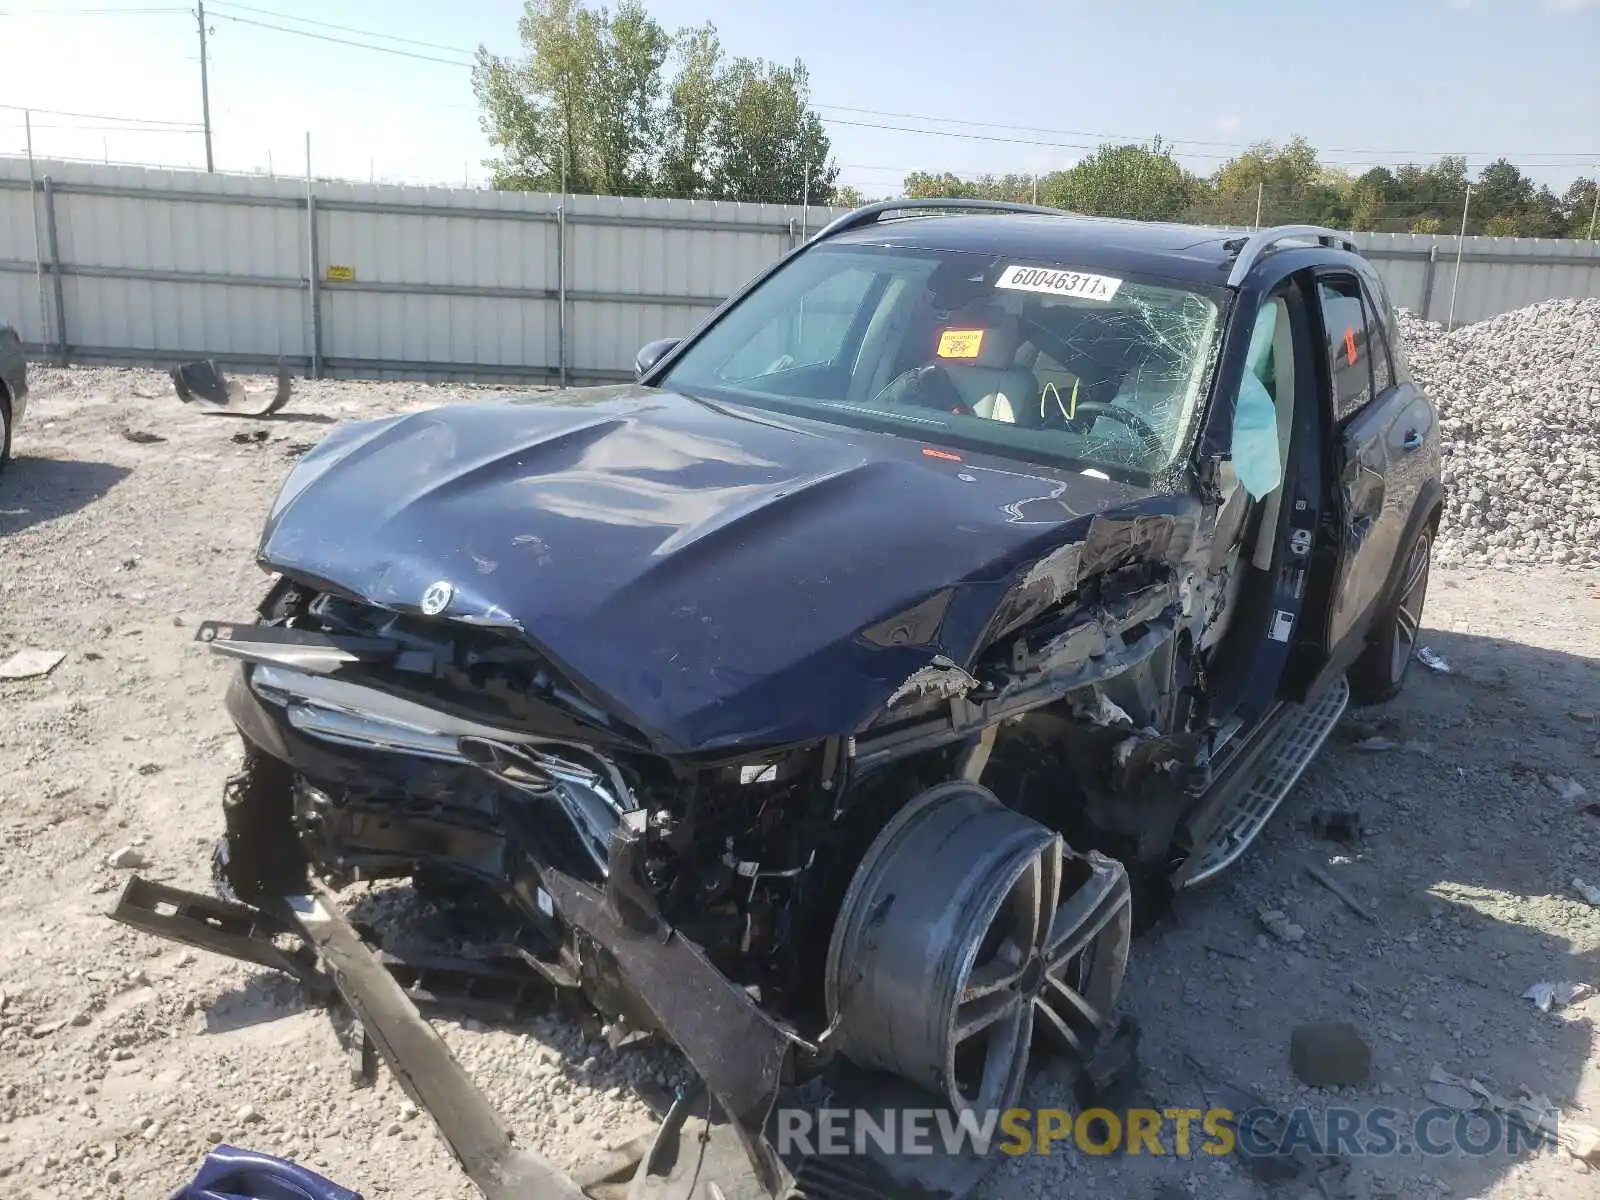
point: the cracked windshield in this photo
(1030, 360)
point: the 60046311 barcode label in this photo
(1058, 283)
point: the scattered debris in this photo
(253, 437)
(1330, 1054)
(1548, 996)
(30, 663)
(1533, 1110)
(128, 858)
(1590, 893)
(141, 437)
(1567, 789)
(1337, 825)
(1339, 890)
(1433, 660)
(203, 381)
(1375, 744)
(1226, 953)
(1277, 923)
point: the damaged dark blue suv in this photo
(977, 575)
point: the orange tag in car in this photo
(1350, 345)
(960, 343)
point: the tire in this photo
(1380, 672)
(5, 429)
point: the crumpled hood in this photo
(709, 572)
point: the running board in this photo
(1295, 744)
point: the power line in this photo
(324, 37)
(56, 112)
(107, 128)
(1114, 137)
(283, 16)
(90, 12)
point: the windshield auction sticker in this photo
(1058, 283)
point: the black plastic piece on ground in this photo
(221, 926)
(1337, 825)
(1112, 1067)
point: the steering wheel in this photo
(1095, 409)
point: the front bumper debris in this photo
(713, 1141)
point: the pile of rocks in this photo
(1519, 398)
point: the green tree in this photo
(696, 98)
(1371, 197)
(625, 110)
(1129, 180)
(536, 109)
(767, 145)
(848, 197)
(1578, 209)
(583, 104)
(1280, 177)
(590, 102)
(943, 185)
(1434, 193)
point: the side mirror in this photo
(650, 354)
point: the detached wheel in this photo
(1380, 672)
(968, 930)
(5, 429)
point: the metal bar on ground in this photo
(423, 1065)
(55, 271)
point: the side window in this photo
(813, 332)
(1382, 367)
(1349, 351)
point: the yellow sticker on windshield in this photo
(960, 343)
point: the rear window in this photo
(1029, 359)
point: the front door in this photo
(1368, 411)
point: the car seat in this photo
(984, 370)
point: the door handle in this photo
(1411, 442)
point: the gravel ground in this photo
(1519, 402)
(122, 1057)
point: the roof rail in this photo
(871, 214)
(1259, 243)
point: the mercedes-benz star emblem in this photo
(437, 598)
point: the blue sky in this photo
(1368, 82)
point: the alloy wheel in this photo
(1408, 609)
(969, 934)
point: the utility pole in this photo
(205, 87)
(1595, 215)
(805, 198)
(1461, 242)
(1036, 189)
(1260, 189)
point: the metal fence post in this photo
(561, 293)
(312, 271)
(1427, 281)
(38, 252)
(55, 270)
